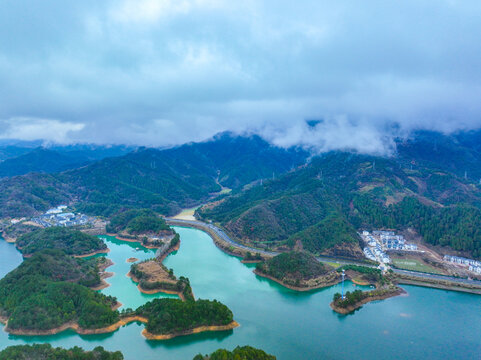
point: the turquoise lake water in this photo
(424, 324)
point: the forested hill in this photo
(320, 207)
(458, 153)
(38, 160)
(163, 180)
(20, 161)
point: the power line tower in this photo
(342, 287)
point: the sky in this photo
(166, 72)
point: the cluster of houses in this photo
(390, 241)
(474, 265)
(369, 254)
(56, 217)
(373, 250)
(376, 254)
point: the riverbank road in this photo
(210, 228)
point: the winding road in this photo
(221, 234)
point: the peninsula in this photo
(153, 277)
(48, 292)
(297, 270)
(141, 225)
(72, 242)
(385, 284)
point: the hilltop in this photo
(321, 206)
(162, 180)
(47, 291)
(73, 242)
(297, 270)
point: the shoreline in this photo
(75, 327)
(218, 242)
(423, 282)
(119, 237)
(103, 284)
(296, 288)
(103, 251)
(354, 307)
(435, 285)
(251, 261)
(104, 275)
(200, 329)
(169, 251)
(114, 327)
(154, 291)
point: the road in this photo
(436, 277)
(220, 233)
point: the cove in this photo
(425, 324)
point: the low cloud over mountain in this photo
(164, 72)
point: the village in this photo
(472, 265)
(58, 217)
(380, 241)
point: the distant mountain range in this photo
(281, 198)
(20, 160)
(164, 180)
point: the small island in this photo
(384, 283)
(244, 352)
(169, 318)
(298, 271)
(152, 277)
(143, 226)
(72, 242)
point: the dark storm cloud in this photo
(159, 72)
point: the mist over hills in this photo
(315, 202)
(164, 180)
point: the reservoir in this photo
(424, 324)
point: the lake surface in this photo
(425, 324)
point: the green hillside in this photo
(47, 291)
(137, 221)
(320, 207)
(47, 352)
(162, 180)
(239, 353)
(73, 242)
(294, 265)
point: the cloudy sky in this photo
(160, 72)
